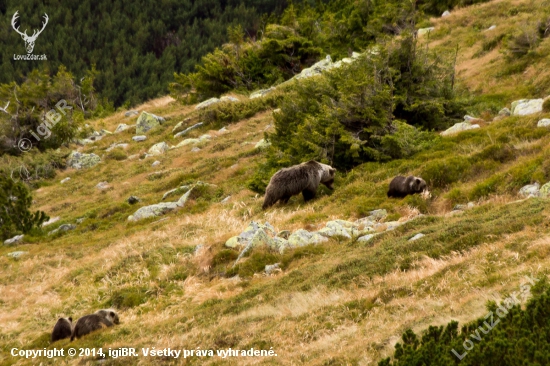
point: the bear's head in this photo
(327, 176)
(417, 185)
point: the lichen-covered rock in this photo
(524, 107)
(262, 144)
(158, 149)
(545, 190)
(530, 190)
(504, 112)
(115, 145)
(272, 268)
(16, 239)
(303, 237)
(339, 228)
(79, 160)
(207, 103)
(188, 142)
(146, 122)
(244, 238)
(377, 215)
(153, 211)
(459, 127)
(545, 122)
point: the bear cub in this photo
(402, 186)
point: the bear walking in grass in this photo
(402, 186)
(100, 319)
(303, 178)
(62, 329)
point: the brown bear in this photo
(402, 186)
(62, 329)
(304, 178)
(100, 319)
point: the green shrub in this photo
(116, 154)
(486, 187)
(442, 172)
(128, 297)
(15, 217)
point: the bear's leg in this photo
(308, 194)
(285, 199)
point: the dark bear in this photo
(100, 319)
(303, 178)
(402, 186)
(62, 329)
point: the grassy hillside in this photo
(340, 302)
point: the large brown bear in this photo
(402, 186)
(304, 178)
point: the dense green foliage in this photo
(45, 110)
(15, 201)
(517, 337)
(135, 46)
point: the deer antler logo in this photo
(29, 41)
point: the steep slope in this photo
(173, 281)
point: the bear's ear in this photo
(417, 181)
(70, 319)
(332, 171)
(113, 314)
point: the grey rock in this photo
(63, 228)
(226, 199)
(139, 138)
(156, 163)
(79, 160)
(80, 220)
(491, 27)
(446, 13)
(103, 186)
(15, 240)
(115, 145)
(417, 236)
(377, 215)
(175, 191)
(545, 122)
(188, 129)
(530, 190)
(245, 237)
(365, 238)
(207, 103)
(122, 127)
(423, 31)
(17, 254)
(524, 107)
(260, 93)
(284, 234)
(131, 113)
(229, 99)
(147, 121)
(270, 269)
(303, 237)
(545, 190)
(65, 180)
(51, 221)
(459, 127)
(504, 112)
(158, 149)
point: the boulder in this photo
(316, 69)
(79, 160)
(158, 149)
(545, 122)
(459, 127)
(245, 237)
(131, 113)
(284, 234)
(188, 142)
(423, 31)
(207, 103)
(524, 107)
(188, 129)
(504, 112)
(445, 14)
(530, 190)
(153, 211)
(175, 191)
(417, 236)
(122, 127)
(147, 121)
(365, 238)
(260, 93)
(377, 215)
(139, 138)
(15, 240)
(303, 237)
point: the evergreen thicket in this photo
(506, 336)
